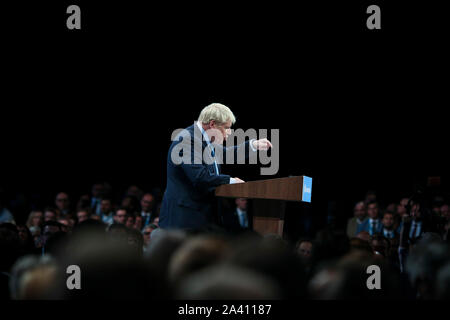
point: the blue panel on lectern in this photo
(306, 190)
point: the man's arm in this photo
(247, 147)
(197, 171)
(201, 178)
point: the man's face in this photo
(37, 218)
(50, 215)
(105, 206)
(388, 221)
(360, 211)
(305, 249)
(120, 216)
(23, 234)
(147, 233)
(147, 202)
(219, 132)
(62, 201)
(129, 222)
(372, 210)
(138, 223)
(241, 203)
(401, 208)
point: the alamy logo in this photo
(74, 280)
(194, 149)
(374, 20)
(374, 281)
(74, 20)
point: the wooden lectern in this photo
(270, 199)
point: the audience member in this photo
(373, 223)
(35, 219)
(62, 203)
(387, 223)
(409, 244)
(148, 211)
(359, 212)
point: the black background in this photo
(356, 108)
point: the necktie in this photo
(413, 230)
(245, 220)
(213, 155)
(373, 226)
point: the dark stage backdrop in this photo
(356, 111)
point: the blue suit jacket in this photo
(365, 226)
(189, 201)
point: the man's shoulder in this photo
(187, 133)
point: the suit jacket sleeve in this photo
(198, 173)
(243, 148)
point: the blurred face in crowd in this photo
(360, 210)
(147, 234)
(138, 222)
(50, 215)
(129, 223)
(241, 203)
(388, 221)
(156, 221)
(37, 218)
(62, 201)
(305, 249)
(129, 202)
(120, 216)
(105, 206)
(372, 210)
(147, 202)
(82, 216)
(401, 208)
(23, 234)
(445, 211)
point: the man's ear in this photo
(212, 123)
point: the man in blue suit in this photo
(193, 171)
(372, 225)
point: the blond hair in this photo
(218, 112)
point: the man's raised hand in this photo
(262, 144)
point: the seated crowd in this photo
(122, 253)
